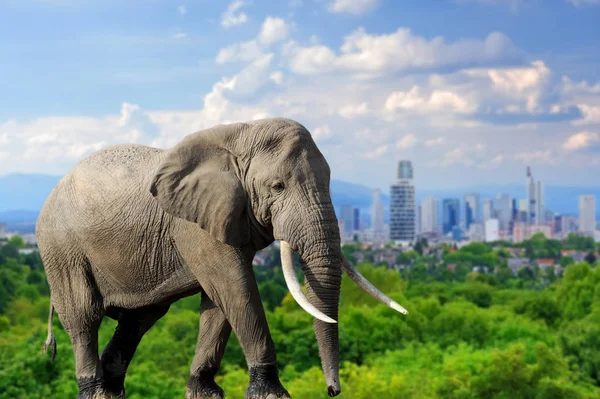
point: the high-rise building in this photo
(356, 219)
(347, 215)
(403, 216)
(536, 200)
(492, 227)
(430, 215)
(450, 214)
(2, 230)
(377, 216)
(488, 209)
(472, 209)
(587, 214)
(504, 211)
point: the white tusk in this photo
(370, 288)
(291, 280)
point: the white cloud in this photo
(182, 9)
(180, 35)
(406, 142)
(244, 51)
(232, 16)
(438, 101)
(277, 77)
(591, 115)
(579, 3)
(582, 141)
(356, 7)
(273, 30)
(377, 152)
(539, 156)
(322, 134)
(493, 163)
(583, 87)
(353, 110)
(434, 142)
(370, 55)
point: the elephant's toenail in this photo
(272, 396)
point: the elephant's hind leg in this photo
(117, 354)
(212, 338)
(80, 309)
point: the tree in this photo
(590, 258)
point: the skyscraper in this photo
(587, 214)
(472, 209)
(536, 200)
(504, 211)
(356, 218)
(488, 209)
(450, 214)
(402, 205)
(377, 215)
(347, 215)
(429, 215)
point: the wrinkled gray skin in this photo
(131, 229)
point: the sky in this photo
(471, 91)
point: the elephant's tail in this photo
(50, 341)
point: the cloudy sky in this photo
(471, 91)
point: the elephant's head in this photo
(252, 183)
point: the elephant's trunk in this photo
(323, 279)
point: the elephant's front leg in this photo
(212, 338)
(228, 280)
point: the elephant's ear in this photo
(197, 181)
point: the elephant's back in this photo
(101, 189)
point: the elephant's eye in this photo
(278, 186)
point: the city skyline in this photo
(505, 217)
(471, 103)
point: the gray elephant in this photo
(132, 229)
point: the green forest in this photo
(535, 334)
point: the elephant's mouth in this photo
(287, 264)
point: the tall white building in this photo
(587, 214)
(430, 218)
(402, 205)
(377, 215)
(492, 227)
(536, 200)
(488, 209)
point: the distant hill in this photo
(22, 196)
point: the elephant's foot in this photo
(90, 388)
(202, 385)
(115, 385)
(264, 384)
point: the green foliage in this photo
(467, 335)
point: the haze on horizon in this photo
(471, 91)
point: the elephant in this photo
(132, 229)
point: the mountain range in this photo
(22, 196)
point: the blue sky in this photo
(471, 91)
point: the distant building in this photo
(403, 211)
(457, 233)
(347, 215)
(488, 209)
(504, 211)
(477, 232)
(536, 200)
(450, 214)
(430, 215)
(587, 215)
(524, 231)
(472, 209)
(377, 216)
(2, 230)
(492, 227)
(356, 219)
